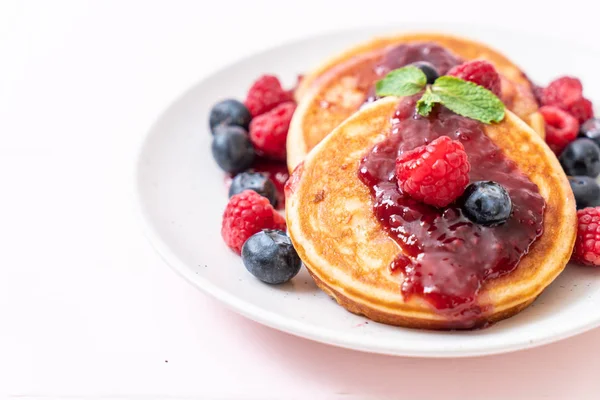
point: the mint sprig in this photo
(462, 97)
(404, 81)
(426, 102)
(466, 98)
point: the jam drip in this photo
(446, 257)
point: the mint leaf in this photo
(426, 102)
(404, 81)
(467, 99)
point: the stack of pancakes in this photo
(329, 210)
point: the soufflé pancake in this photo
(381, 254)
(340, 86)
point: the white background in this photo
(87, 309)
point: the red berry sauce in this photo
(404, 54)
(399, 56)
(446, 257)
(292, 182)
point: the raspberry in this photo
(566, 93)
(587, 244)
(265, 94)
(246, 214)
(480, 72)
(561, 128)
(436, 174)
(268, 132)
(562, 92)
(581, 109)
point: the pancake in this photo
(332, 225)
(337, 89)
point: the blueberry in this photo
(591, 129)
(232, 149)
(586, 191)
(270, 256)
(486, 203)
(428, 69)
(258, 182)
(581, 157)
(229, 112)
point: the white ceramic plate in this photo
(182, 196)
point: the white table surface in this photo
(88, 310)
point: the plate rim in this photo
(284, 323)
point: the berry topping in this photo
(270, 256)
(232, 149)
(404, 54)
(586, 191)
(246, 214)
(487, 203)
(480, 72)
(561, 128)
(587, 244)
(450, 258)
(435, 174)
(257, 182)
(229, 112)
(268, 132)
(581, 157)
(428, 69)
(562, 92)
(265, 94)
(581, 109)
(591, 130)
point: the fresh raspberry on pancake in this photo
(480, 72)
(561, 128)
(246, 214)
(587, 244)
(435, 174)
(268, 131)
(265, 94)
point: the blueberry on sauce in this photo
(486, 203)
(434, 60)
(428, 69)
